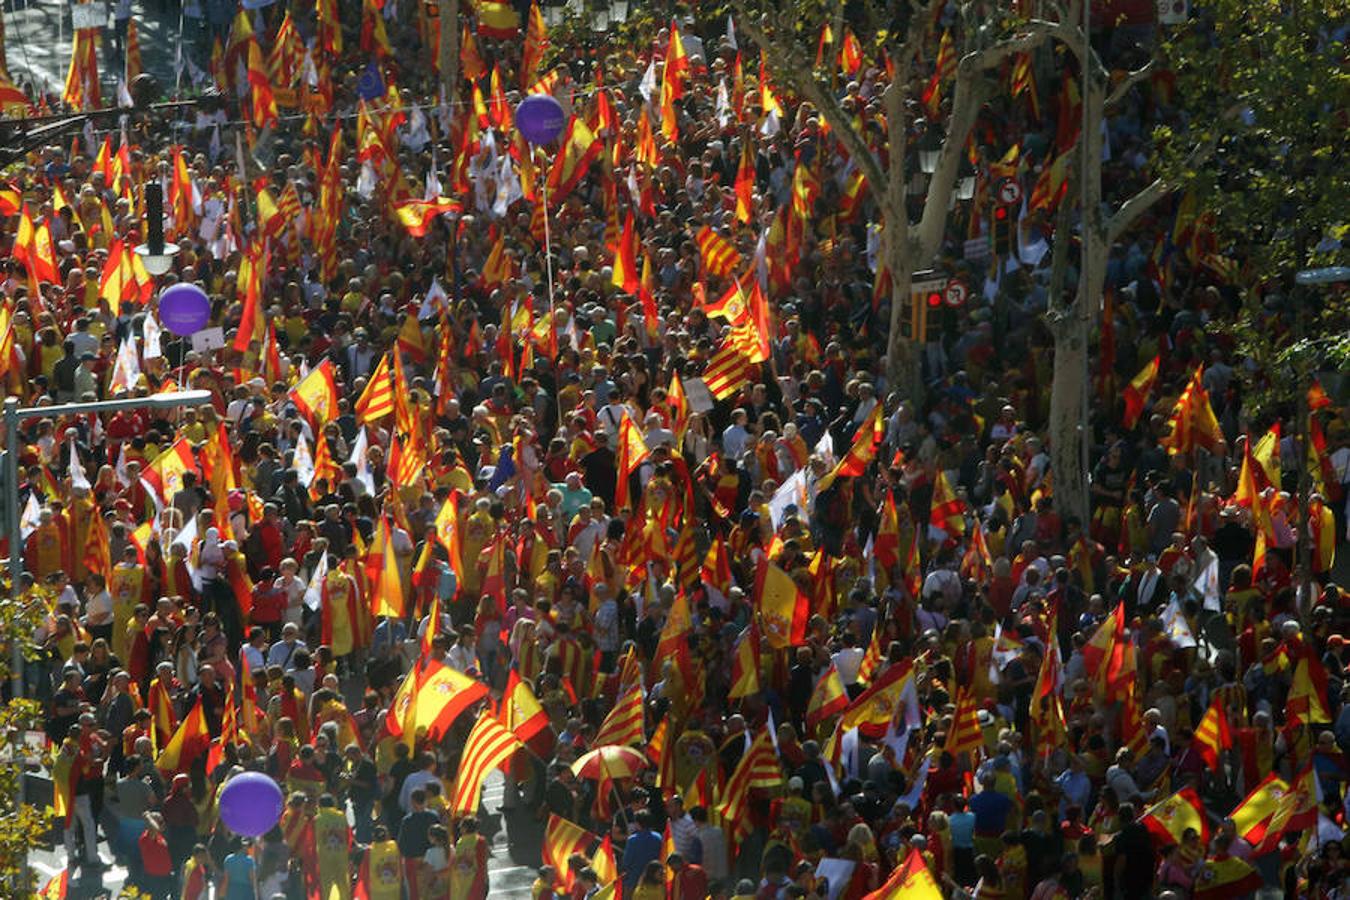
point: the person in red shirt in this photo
(156, 877)
(687, 881)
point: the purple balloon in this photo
(540, 118)
(250, 804)
(184, 309)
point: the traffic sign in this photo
(955, 294)
(1009, 192)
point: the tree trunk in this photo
(449, 61)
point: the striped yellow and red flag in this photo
(911, 880)
(944, 68)
(1051, 185)
(562, 839)
(190, 741)
(489, 745)
(56, 887)
(965, 734)
(1212, 735)
(604, 863)
(624, 723)
(264, 105)
(1192, 422)
(377, 400)
(536, 43)
(872, 657)
(719, 257)
(827, 698)
(1136, 393)
(758, 768)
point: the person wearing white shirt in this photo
(847, 660)
(461, 656)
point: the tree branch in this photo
(1140, 203)
(971, 94)
(797, 72)
(1119, 91)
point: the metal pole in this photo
(12, 529)
(552, 313)
(1089, 219)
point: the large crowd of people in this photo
(653, 491)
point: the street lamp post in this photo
(14, 414)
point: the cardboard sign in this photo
(700, 398)
(88, 15)
(208, 339)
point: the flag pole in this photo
(552, 320)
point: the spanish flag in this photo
(579, 149)
(388, 595)
(190, 741)
(866, 442)
(633, 450)
(911, 880)
(1192, 421)
(1169, 819)
(783, 607)
(522, 715)
(745, 664)
(417, 215)
(1226, 876)
(625, 276)
(164, 476)
(1136, 393)
(745, 184)
(316, 395)
(56, 887)
(1254, 816)
(873, 709)
(497, 21)
(827, 699)
(948, 510)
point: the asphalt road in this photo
(511, 867)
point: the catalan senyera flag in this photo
(82, 84)
(1212, 735)
(164, 476)
(965, 734)
(562, 839)
(1192, 421)
(624, 723)
(758, 768)
(784, 607)
(190, 741)
(948, 510)
(316, 395)
(910, 880)
(633, 450)
(536, 42)
(1051, 185)
(579, 149)
(1136, 393)
(943, 69)
(719, 257)
(489, 746)
(827, 698)
(866, 442)
(1169, 819)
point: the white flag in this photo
(29, 518)
(150, 337)
(792, 492)
(647, 86)
(358, 458)
(314, 590)
(77, 477)
(126, 369)
(731, 32)
(1206, 583)
(303, 460)
(1176, 626)
(120, 471)
(723, 104)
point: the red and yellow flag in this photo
(316, 395)
(1136, 393)
(489, 745)
(911, 880)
